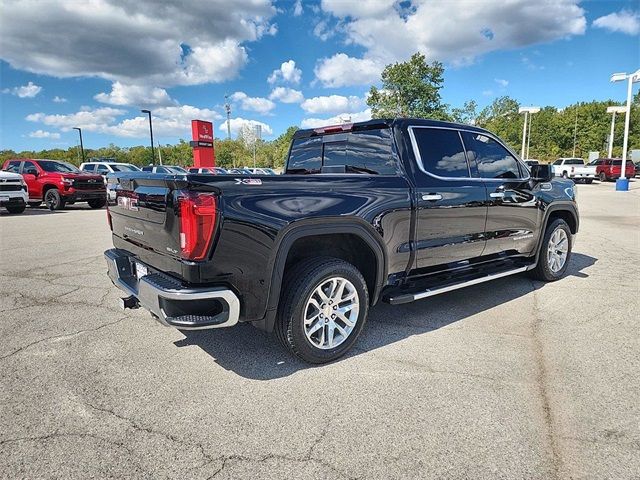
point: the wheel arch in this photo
(323, 234)
(566, 211)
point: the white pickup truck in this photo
(575, 169)
(13, 192)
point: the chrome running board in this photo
(430, 292)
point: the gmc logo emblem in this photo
(128, 203)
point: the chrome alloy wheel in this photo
(557, 250)
(331, 313)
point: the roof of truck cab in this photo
(383, 123)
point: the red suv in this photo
(58, 183)
(610, 168)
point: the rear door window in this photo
(492, 159)
(13, 166)
(441, 152)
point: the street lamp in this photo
(81, 145)
(153, 156)
(614, 110)
(527, 111)
(622, 184)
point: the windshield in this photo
(59, 167)
(123, 167)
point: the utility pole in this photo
(529, 136)
(227, 107)
(159, 153)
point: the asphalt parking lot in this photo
(510, 379)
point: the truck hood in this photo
(9, 176)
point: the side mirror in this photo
(541, 173)
(31, 172)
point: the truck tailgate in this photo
(164, 214)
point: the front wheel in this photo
(16, 208)
(53, 200)
(555, 252)
(588, 181)
(97, 202)
(603, 177)
(324, 307)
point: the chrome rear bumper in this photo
(167, 299)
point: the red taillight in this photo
(197, 223)
(109, 219)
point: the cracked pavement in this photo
(510, 379)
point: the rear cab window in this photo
(364, 152)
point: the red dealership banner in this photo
(202, 143)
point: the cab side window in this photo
(102, 170)
(89, 167)
(493, 160)
(441, 152)
(29, 168)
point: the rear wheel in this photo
(97, 202)
(588, 180)
(565, 175)
(16, 208)
(324, 307)
(53, 200)
(555, 252)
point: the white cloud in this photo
(323, 31)
(238, 123)
(337, 119)
(297, 8)
(457, 35)
(332, 104)
(174, 121)
(142, 42)
(488, 93)
(287, 73)
(253, 104)
(44, 134)
(58, 99)
(286, 95)
(135, 95)
(502, 82)
(29, 90)
(342, 70)
(89, 119)
(624, 21)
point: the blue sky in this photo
(95, 64)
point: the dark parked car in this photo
(385, 210)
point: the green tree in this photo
(467, 114)
(409, 89)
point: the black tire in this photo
(603, 177)
(543, 271)
(565, 175)
(97, 202)
(299, 285)
(588, 181)
(16, 208)
(35, 204)
(53, 200)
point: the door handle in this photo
(432, 197)
(497, 195)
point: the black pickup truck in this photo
(385, 210)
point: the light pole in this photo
(622, 183)
(527, 111)
(613, 110)
(153, 155)
(81, 144)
